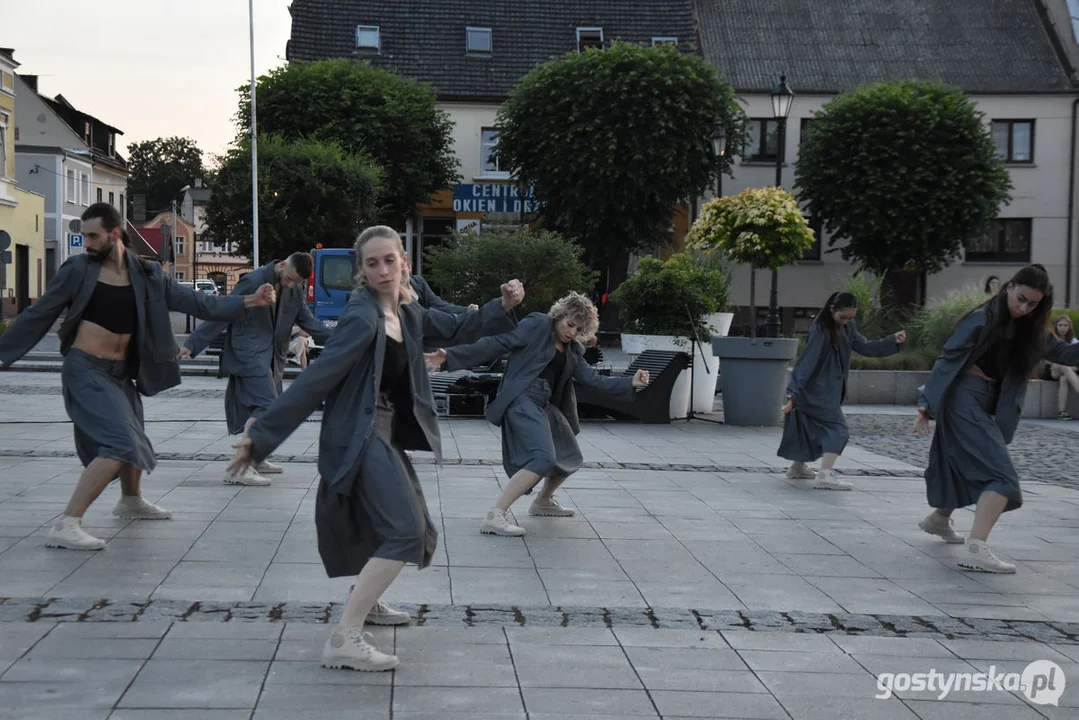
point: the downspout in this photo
(1071, 209)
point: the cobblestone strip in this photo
(101, 610)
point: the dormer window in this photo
(86, 131)
(664, 41)
(112, 144)
(368, 39)
(589, 37)
(478, 40)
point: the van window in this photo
(337, 272)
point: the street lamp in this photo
(782, 99)
(719, 149)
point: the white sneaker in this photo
(268, 468)
(138, 508)
(936, 524)
(68, 533)
(826, 480)
(978, 557)
(498, 522)
(549, 507)
(249, 476)
(383, 614)
(349, 649)
(799, 471)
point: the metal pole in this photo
(771, 326)
(175, 257)
(254, 149)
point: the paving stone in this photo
(766, 619)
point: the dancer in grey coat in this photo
(117, 343)
(536, 406)
(814, 425)
(256, 349)
(370, 512)
(975, 393)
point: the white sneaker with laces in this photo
(799, 471)
(549, 507)
(383, 614)
(268, 468)
(138, 508)
(978, 557)
(498, 522)
(349, 649)
(826, 480)
(936, 524)
(67, 533)
(249, 476)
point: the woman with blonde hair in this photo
(370, 513)
(1064, 374)
(536, 406)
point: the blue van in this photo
(330, 285)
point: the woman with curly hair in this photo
(536, 406)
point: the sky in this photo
(151, 68)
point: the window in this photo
(179, 275)
(72, 187)
(7, 80)
(664, 41)
(1007, 241)
(813, 254)
(1015, 140)
(806, 122)
(761, 144)
(478, 40)
(179, 244)
(123, 208)
(589, 37)
(368, 39)
(86, 130)
(99, 194)
(112, 144)
(3, 151)
(337, 271)
(112, 198)
(84, 196)
(488, 158)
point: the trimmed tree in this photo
(612, 140)
(905, 172)
(161, 168)
(366, 110)
(762, 228)
(309, 192)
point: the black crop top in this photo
(113, 308)
(394, 382)
(994, 361)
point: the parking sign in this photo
(76, 241)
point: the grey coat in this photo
(531, 348)
(155, 295)
(971, 338)
(819, 379)
(429, 299)
(348, 374)
(260, 342)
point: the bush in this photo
(874, 319)
(908, 359)
(671, 298)
(470, 268)
(932, 325)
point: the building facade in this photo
(216, 262)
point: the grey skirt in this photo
(379, 511)
(807, 436)
(968, 455)
(537, 437)
(106, 410)
(247, 397)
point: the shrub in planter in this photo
(671, 298)
(470, 268)
(760, 227)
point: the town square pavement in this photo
(696, 581)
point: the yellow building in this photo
(22, 213)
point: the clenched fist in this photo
(263, 297)
(513, 292)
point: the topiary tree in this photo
(904, 172)
(762, 228)
(612, 140)
(470, 268)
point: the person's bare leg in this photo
(828, 461)
(551, 483)
(989, 509)
(375, 578)
(93, 481)
(130, 480)
(521, 482)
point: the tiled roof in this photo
(828, 46)
(425, 39)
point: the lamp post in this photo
(782, 99)
(719, 149)
(254, 148)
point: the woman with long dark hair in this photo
(1065, 375)
(975, 393)
(814, 426)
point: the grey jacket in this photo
(260, 342)
(428, 299)
(155, 295)
(348, 374)
(531, 347)
(971, 338)
(819, 379)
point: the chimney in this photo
(31, 81)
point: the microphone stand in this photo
(695, 341)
